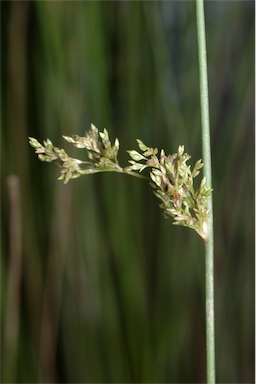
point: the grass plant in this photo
(138, 313)
(172, 179)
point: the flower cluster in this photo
(173, 183)
(172, 179)
(102, 155)
(99, 148)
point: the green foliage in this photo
(108, 291)
(173, 180)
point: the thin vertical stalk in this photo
(11, 331)
(206, 147)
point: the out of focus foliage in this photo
(101, 287)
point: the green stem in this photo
(206, 146)
(138, 175)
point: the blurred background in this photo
(96, 285)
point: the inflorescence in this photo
(171, 178)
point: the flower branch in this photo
(171, 178)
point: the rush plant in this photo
(187, 202)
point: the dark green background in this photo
(109, 290)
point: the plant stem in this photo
(206, 147)
(12, 323)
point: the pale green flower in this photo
(172, 179)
